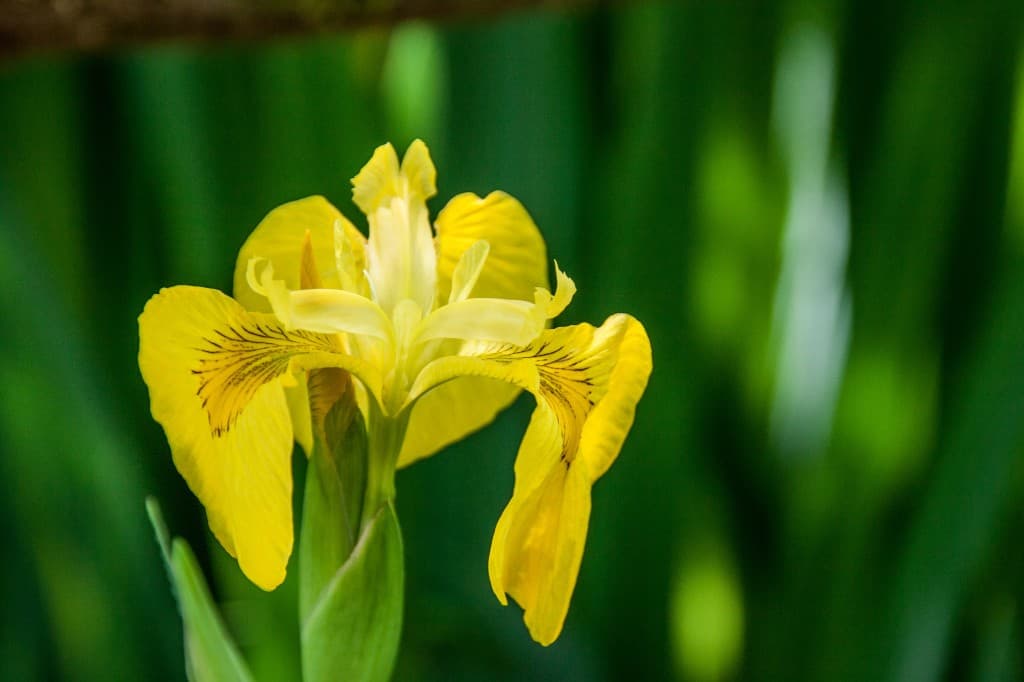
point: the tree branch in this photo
(28, 26)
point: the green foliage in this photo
(815, 210)
(210, 655)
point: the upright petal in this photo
(401, 262)
(419, 172)
(515, 267)
(587, 382)
(378, 181)
(517, 260)
(279, 239)
(215, 375)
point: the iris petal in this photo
(279, 238)
(517, 262)
(587, 382)
(215, 374)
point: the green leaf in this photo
(352, 631)
(210, 655)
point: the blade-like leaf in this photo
(210, 655)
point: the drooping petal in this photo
(401, 261)
(517, 260)
(587, 382)
(215, 374)
(538, 547)
(279, 239)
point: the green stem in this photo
(385, 442)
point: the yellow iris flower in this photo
(441, 328)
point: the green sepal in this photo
(353, 629)
(210, 655)
(335, 481)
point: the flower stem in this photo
(386, 435)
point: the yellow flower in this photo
(440, 327)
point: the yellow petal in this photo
(400, 259)
(279, 239)
(467, 272)
(590, 379)
(487, 319)
(451, 412)
(419, 171)
(587, 382)
(538, 547)
(215, 375)
(496, 319)
(383, 179)
(311, 233)
(377, 181)
(517, 261)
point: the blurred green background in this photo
(816, 210)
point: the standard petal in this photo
(279, 239)
(517, 261)
(587, 382)
(377, 182)
(215, 375)
(400, 259)
(419, 172)
(451, 412)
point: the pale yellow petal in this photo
(486, 319)
(499, 320)
(517, 261)
(467, 272)
(279, 239)
(333, 310)
(215, 375)
(400, 259)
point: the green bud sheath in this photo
(350, 555)
(353, 630)
(332, 505)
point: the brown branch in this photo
(28, 26)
